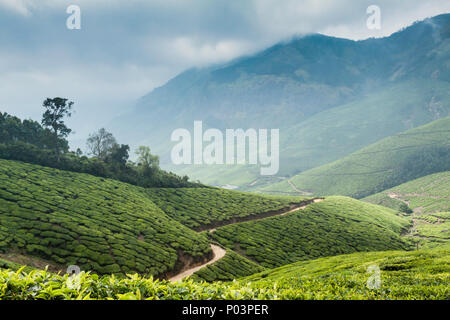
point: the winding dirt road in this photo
(219, 253)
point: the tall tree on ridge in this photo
(53, 118)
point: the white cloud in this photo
(198, 52)
(19, 6)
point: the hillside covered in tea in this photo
(392, 161)
(337, 225)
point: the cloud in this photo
(126, 48)
(21, 7)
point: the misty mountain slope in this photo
(390, 162)
(334, 133)
(289, 83)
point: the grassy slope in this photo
(197, 207)
(387, 163)
(334, 226)
(101, 225)
(427, 194)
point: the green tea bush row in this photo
(102, 225)
(420, 275)
(337, 225)
(230, 267)
(196, 207)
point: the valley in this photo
(358, 193)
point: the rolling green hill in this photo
(423, 274)
(427, 199)
(102, 225)
(387, 163)
(334, 226)
(61, 218)
(428, 194)
(202, 208)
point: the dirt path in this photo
(302, 207)
(218, 252)
(265, 216)
(293, 186)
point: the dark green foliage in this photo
(334, 226)
(13, 130)
(197, 207)
(102, 225)
(404, 208)
(56, 110)
(28, 141)
(230, 267)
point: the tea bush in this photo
(230, 267)
(337, 225)
(102, 225)
(415, 275)
(197, 207)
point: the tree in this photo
(146, 159)
(119, 155)
(56, 110)
(101, 143)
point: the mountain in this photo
(328, 96)
(392, 161)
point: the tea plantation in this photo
(104, 226)
(423, 274)
(387, 163)
(414, 275)
(199, 208)
(230, 267)
(337, 225)
(428, 194)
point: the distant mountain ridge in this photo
(287, 84)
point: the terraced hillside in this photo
(334, 226)
(101, 225)
(428, 194)
(427, 200)
(383, 165)
(60, 218)
(202, 208)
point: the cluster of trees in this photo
(46, 144)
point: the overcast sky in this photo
(126, 48)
